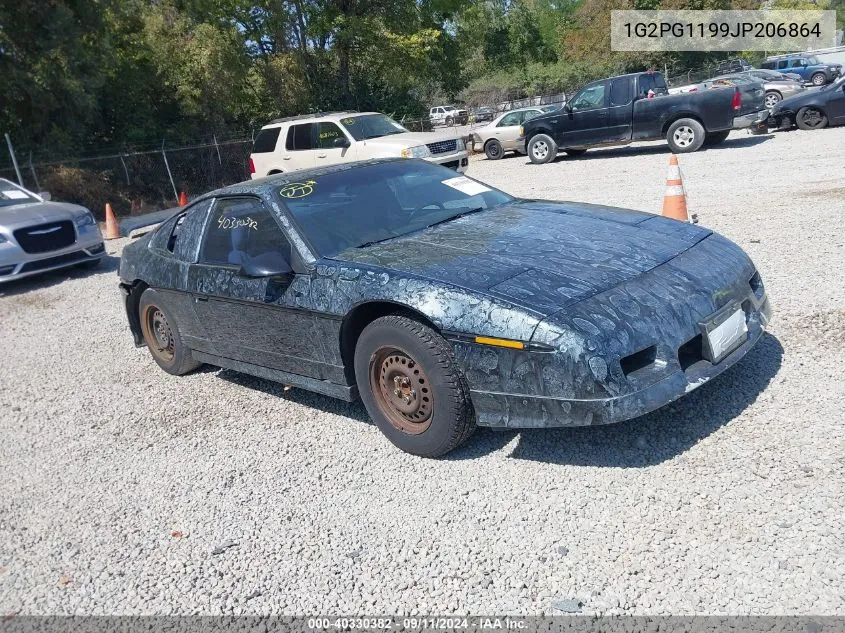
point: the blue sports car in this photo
(442, 302)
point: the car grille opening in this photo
(756, 284)
(46, 237)
(442, 147)
(6, 270)
(639, 360)
(41, 264)
(691, 352)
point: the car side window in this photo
(299, 137)
(783, 64)
(620, 91)
(590, 98)
(530, 114)
(510, 119)
(798, 63)
(327, 132)
(241, 229)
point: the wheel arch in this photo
(133, 303)
(677, 117)
(359, 317)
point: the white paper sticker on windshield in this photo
(14, 194)
(465, 185)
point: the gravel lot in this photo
(125, 490)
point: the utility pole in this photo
(14, 160)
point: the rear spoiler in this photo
(137, 225)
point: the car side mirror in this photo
(567, 107)
(45, 195)
(266, 265)
(341, 142)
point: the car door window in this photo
(530, 114)
(590, 98)
(240, 230)
(300, 137)
(798, 63)
(783, 64)
(620, 91)
(510, 119)
(327, 132)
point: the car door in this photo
(621, 111)
(588, 117)
(331, 144)
(799, 66)
(299, 147)
(836, 104)
(507, 129)
(247, 319)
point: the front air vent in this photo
(691, 352)
(639, 360)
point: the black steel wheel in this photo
(810, 118)
(494, 150)
(412, 386)
(161, 334)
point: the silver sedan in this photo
(501, 134)
(777, 85)
(37, 235)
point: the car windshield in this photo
(364, 126)
(11, 194)
(359, 206)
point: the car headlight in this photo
(420, 151)
(86, 219)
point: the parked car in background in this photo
(482, 114)
(618, 110)
(501, 135)
(311, 140)
(37, 235)
(441, 302)
(809, 67)
(734, 65)
(776, 89)
(814, 109)
(448, 115)
(775, 75)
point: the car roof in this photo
(264, 185)
(329, 116)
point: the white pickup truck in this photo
(448, 115)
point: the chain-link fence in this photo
(140, 181)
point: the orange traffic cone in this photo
(111, 224)
(675, 199)
(183, 199)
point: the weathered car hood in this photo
(539, 255)
(38, 213)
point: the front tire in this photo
(716, 137)
(494, 150)
(412, 386)
(819, 79)
(161, 334)
(810, 118)
(685, 136)
(542, 149)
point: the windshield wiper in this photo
(371, 242)
(455, 217)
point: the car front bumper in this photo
(459, 161)
(752, 120)
(496, 409)
(15, 263)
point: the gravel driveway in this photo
(125, 490)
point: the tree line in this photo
(87, 76)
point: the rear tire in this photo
(161, 334)
(542, 149)
(771, 99)
(685, 136)
(716, 137)
(412, 387)
(810, 118)
(819, 79)
(494, 150)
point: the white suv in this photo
(308, 141)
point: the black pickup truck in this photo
(638, 107)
